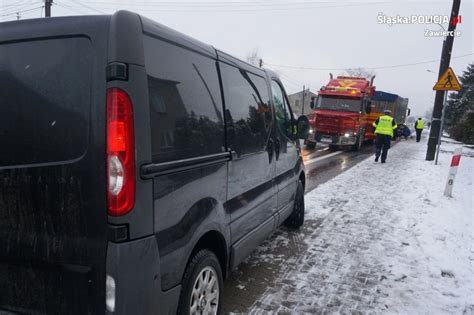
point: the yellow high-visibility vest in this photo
(420, 124)
(384, 127)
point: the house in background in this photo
(296, 102)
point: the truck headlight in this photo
(110, 293)
(348, 133)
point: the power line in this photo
(18, 4)
(228, 4)
(87, 7)
(221, 7)
(298, 86)
(212, 3)
(288, 78)
(32, 14)
(72, 9)
(19, 8)
(20, 11)
(368, 68)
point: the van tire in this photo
(296, 218)
(203, 262)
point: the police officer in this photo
(419, 125)
(384, 126)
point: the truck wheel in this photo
(310, 145)
(296, 219)
(333, 147)
(202, 285)
(358, 144)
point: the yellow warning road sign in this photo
(447, 82)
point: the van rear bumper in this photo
(135, 267)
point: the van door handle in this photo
(277, 148)
(270, 150)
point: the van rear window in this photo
(44, 100)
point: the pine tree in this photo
(459, 114)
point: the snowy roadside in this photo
(389, 241)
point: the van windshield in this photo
(44, 100)
(338, 104)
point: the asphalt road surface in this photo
(321, 165)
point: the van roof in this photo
(56, 26)
(161, 31)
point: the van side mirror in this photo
(409, 111)
(312, 102)
(368, 107)
(302, 127)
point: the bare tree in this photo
(253, 57)
(359, 72)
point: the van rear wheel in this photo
(202, 285)
(296, 219)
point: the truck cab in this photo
(340, 112)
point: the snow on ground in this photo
(387, 241)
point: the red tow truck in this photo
(341, 114)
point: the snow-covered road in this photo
(379, 238)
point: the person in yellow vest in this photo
(384, 126)
(419, 125)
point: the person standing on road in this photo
(419, 125)
(384, 126)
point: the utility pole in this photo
(47, 8)
(435, 130)
(441, 127)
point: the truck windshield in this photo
(338, 103)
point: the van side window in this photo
(248, 113)
(185, 102)
(282, 110)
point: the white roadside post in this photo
(452, 172)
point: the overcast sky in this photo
(303, 39)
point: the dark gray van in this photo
(138, 166)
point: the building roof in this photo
(301, 92)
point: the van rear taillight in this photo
(120, 153)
